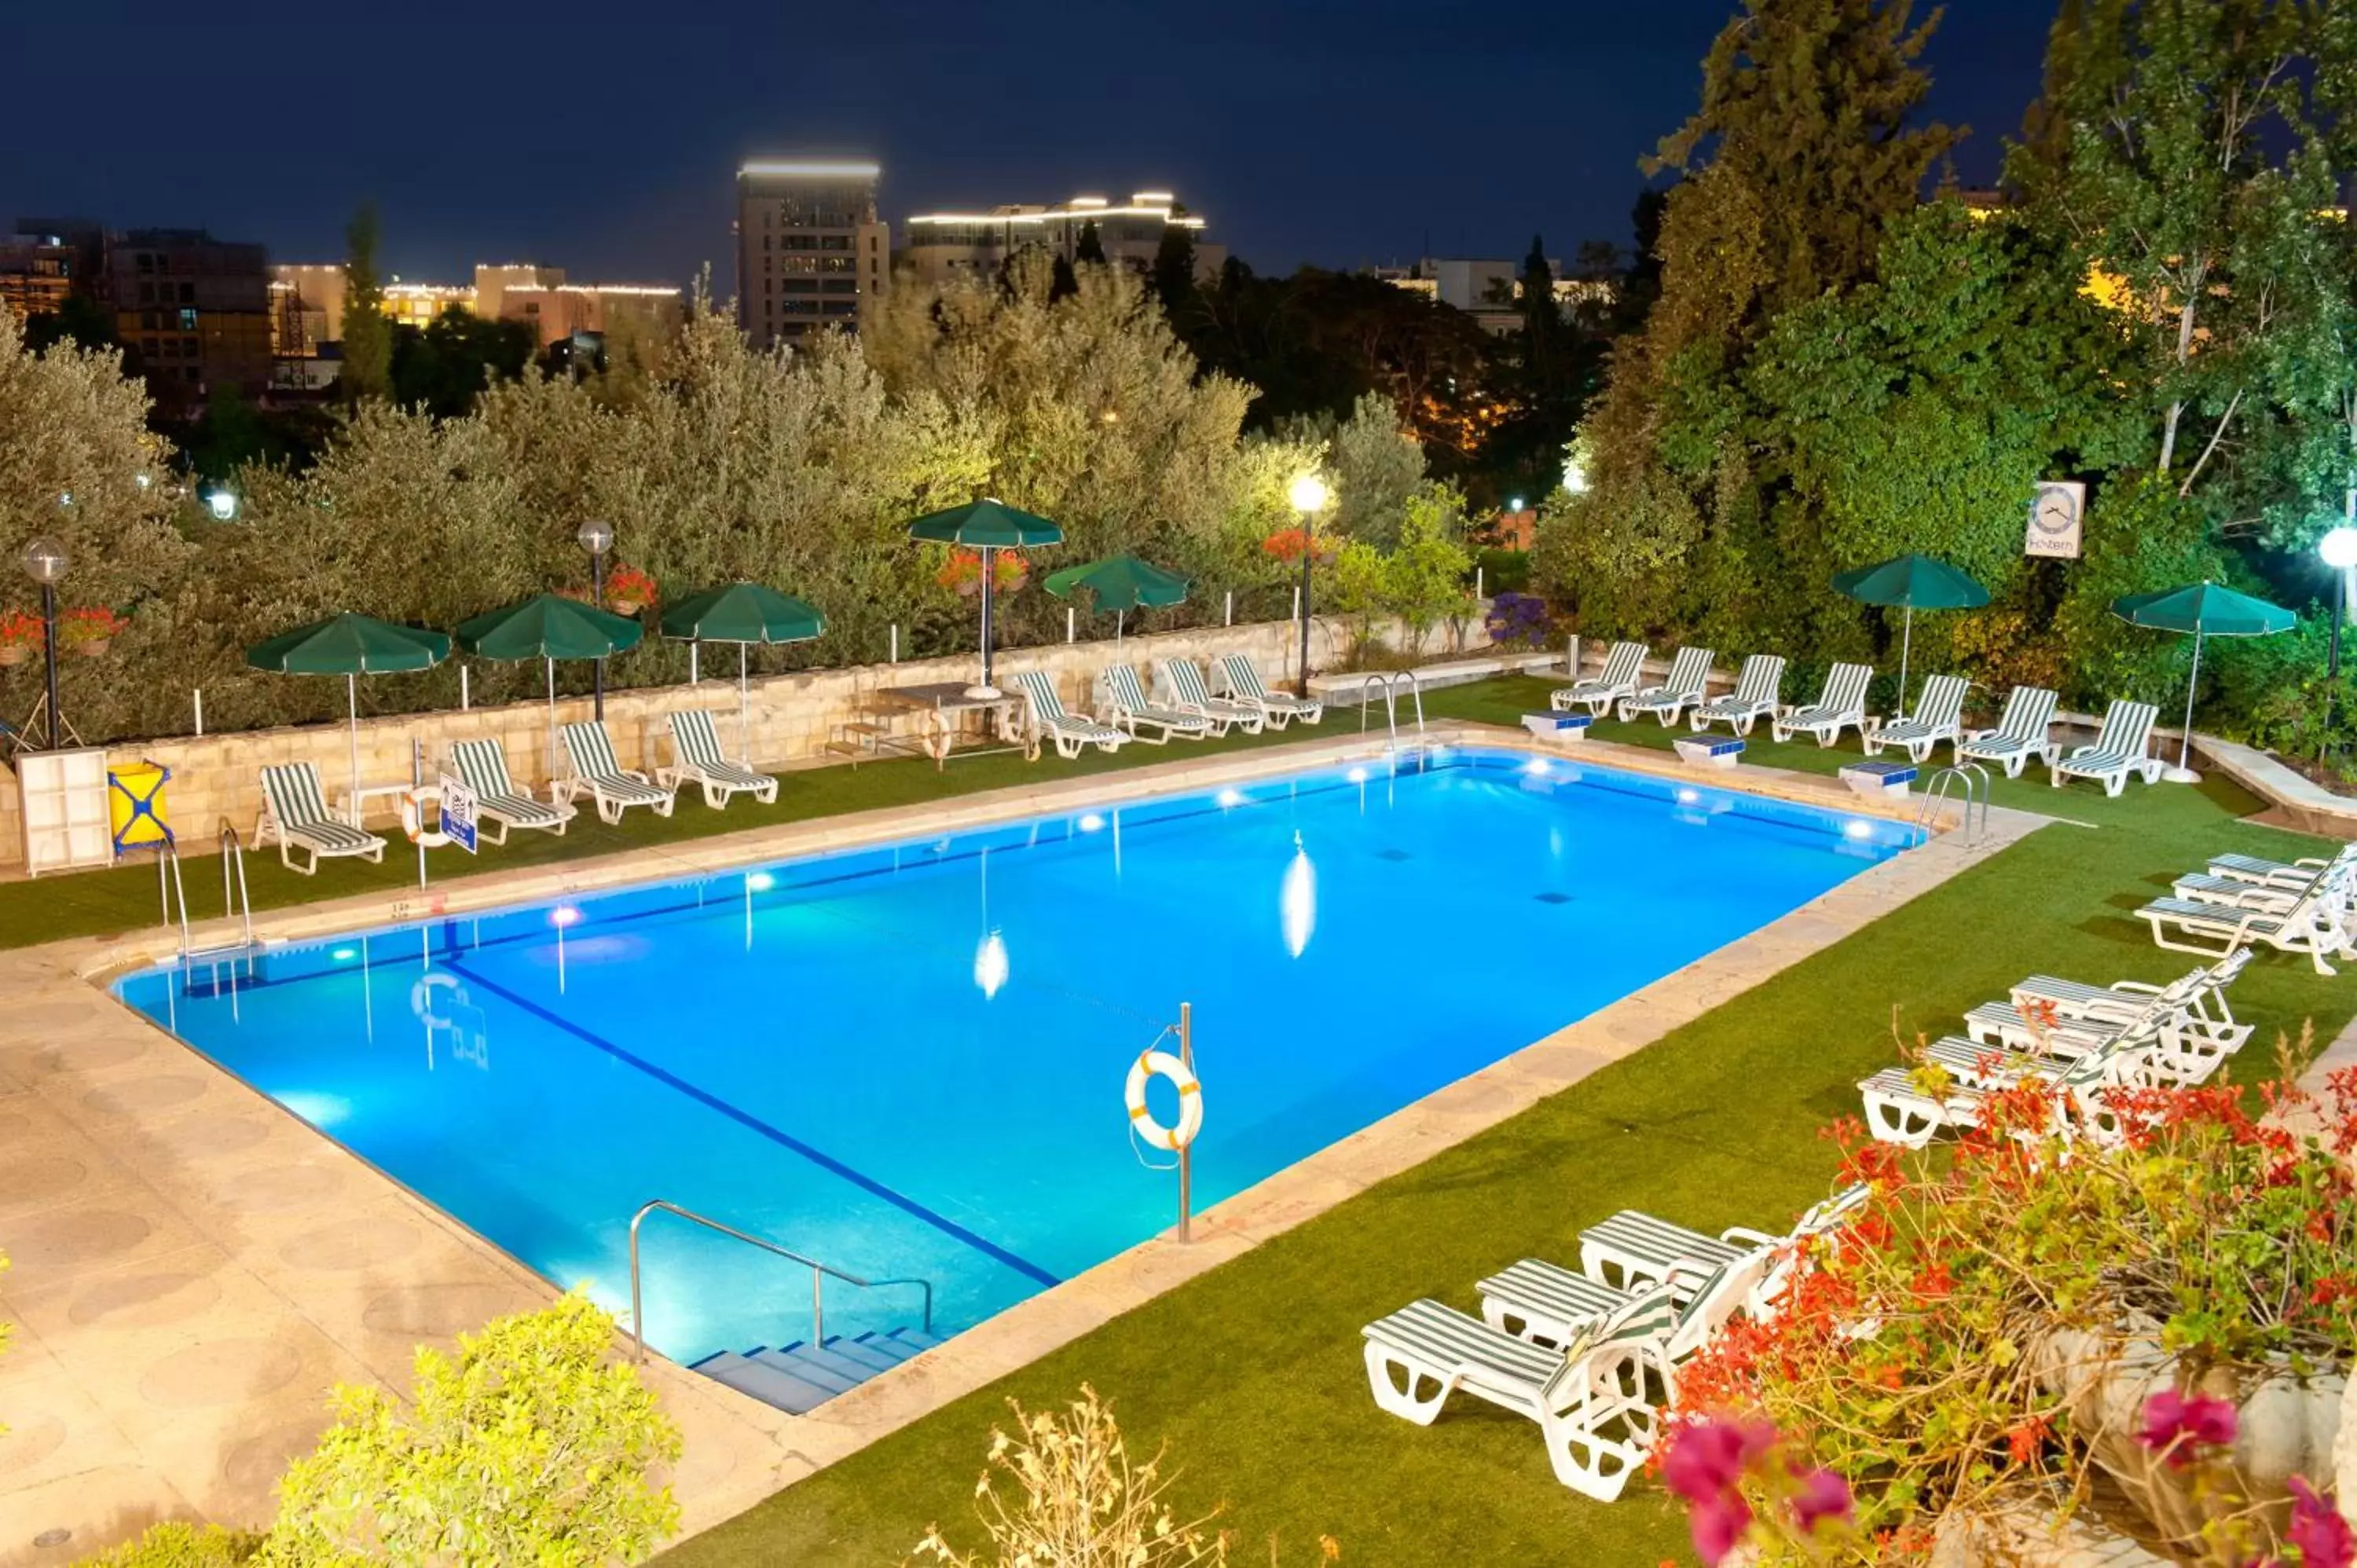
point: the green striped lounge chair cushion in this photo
(1442, 1337)
(1937, 715)
(1243, 677)
(1657, 1243)
(2029, 714)
(301, 808)
(1762, 678)
(1129, 696)
(594, 764)
(1552, 1292)
(2125, 736)
(1621, 666)
(1689, 672)
(1845, 694)
(482, 767)
(699, 745)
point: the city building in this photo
(942, 246)
(1491, 291)
(46, 261)
(810, 251)
(567, 312)
(196, 312)
(307, 309)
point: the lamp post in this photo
(2339, 549)
(44, 563)
(1308, 496)
(598, 538)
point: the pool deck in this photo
(193, 1267)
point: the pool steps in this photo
(799, 1377)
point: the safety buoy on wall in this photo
(1162, 1064)
(414, 817)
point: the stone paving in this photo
(194, 1267)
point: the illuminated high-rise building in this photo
(810, 251)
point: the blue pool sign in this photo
(458, 813)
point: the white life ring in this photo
(414, 818)
(421, 998)
(1162, 1064)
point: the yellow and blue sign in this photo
(134, 797)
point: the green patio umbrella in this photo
(549, 627)
(351, 646)
(744, 614)
(988, 526)
(2205, 609)
(1911, 582)
(1120, 584)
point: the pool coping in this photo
(294, 1291)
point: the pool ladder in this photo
(1390, 680)
(820, 1273)
(1973, 779)
(173, 892)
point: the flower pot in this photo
(93, 647)
(14, 653)
(2286, 1425)
(625, 607)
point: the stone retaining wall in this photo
(794, 717)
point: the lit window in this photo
(187, 318)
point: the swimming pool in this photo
(908, 1060)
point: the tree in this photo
(1064, 282)
(1174, 270)
(367, 369)
(1375, 464)
(444, 366)
(1089, 247)
(78, 319)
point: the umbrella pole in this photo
(744, 708)
(2185, 744)
(1118, 617)
(1906, 647)
(353, 704)
(989, 570)
(552, 722)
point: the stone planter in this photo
(2287, 1426)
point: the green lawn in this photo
(1252, 1373)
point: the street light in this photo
(44, 563)
(1308, 496)
(221, 501)
(2338, 548)
(1574, 477)
(598, 538)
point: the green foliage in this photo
(444, 366)
(367, 366)
(1373, 462)
(531, 1446)
(1503, 571)
(177, 1545)
(1425, 579)
(1356, 587)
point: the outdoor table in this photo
(355, 802)
(943, 710)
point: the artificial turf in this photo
(1251, 1372)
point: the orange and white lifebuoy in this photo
(1162, 1064)
(414, 816)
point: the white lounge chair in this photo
(1840, 706)
(2279, 889)
(1125, 705)
(1682, 689)
(1900, 1110)
(1938, 716)
(1759, 691)
(1592, 1405)
(2299, 875)
(1241, 680)
(2122, 747)
(2317, 925)
(294, 813)
(2022, 732)
(589, 753)
(1624, 666)
(2193, 1030)
(1047, 720)
(697, 756)
(1632, 1249)
(482, 767)
(1540, 1301)
(1179, 684)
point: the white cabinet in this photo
(64, 799)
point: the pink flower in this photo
(2318, 1530)
(1706, 1460)
(1718, 1525)
(2175, 1426)
(1823, 1495)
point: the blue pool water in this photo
(909, 1060)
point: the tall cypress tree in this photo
(367, 368)
(1089, 247)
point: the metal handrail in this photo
(819, 1272)
(1388, 681)
(1975, 781)
(233, 852)
(170, 890)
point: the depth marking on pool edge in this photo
(746, 1119)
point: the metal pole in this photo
(597, 597)
(1186, 1151)
(465, 688)
(196, 700)
(1308, 532)
(989, 570)
(2185, 747)
(744, 707)
(50, 651)
(1231, 607)
(416, 778)
(2332, 659)
(638, 1319)
(818, 1308)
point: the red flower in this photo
(2318, 1530)
(2025, 1439)
(2176, 1427)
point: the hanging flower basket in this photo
(1287, 545)
(20, 637)
(962, 572)
(628, 590)
(90, 632)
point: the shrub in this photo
(177, 1545)
(1520, 620)
(531, 1447)
(1504, 570)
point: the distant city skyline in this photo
(1307, 131)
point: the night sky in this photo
(604, 137)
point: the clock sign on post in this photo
(2056, 514)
